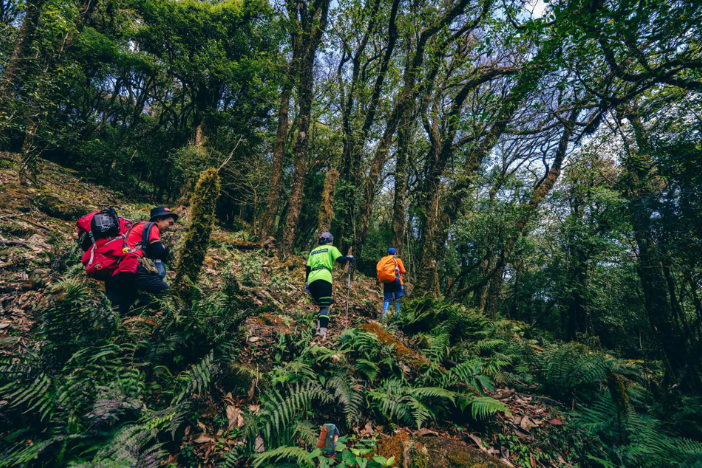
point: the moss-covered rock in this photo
(419, 456)
(443, 452)
(58, 208)
(395, 446)
(203, 203)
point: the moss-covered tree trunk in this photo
(326, 211)
(203, 204)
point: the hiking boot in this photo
(322, 333)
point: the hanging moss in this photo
(203, 203)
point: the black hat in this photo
(162, 211)
(326, 238)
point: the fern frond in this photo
(278, 411)
(196, 379)
(342, 386)
(301, 456)
(130, 446)
(483, 407)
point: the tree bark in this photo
(494, 292)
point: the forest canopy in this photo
(540, 162)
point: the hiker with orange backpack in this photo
(136, 280)
(390, 270)
(318, 278)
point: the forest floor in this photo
(36, 225)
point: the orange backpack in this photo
(386, 269)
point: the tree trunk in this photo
(494, 292)
(21, 51)
(281, 135)
(199, 136)
(353, 141)
(313, 22)
(434, 238)
(640, 180)
(28, 167)
(529, 209)
(405, 101)
(399, 213)
(326, 212)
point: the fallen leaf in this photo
(254, 339)
(202, 426)
(203, 438)
(526, 424)
(232, 415)
(425, 431)
(477, 441)
(517, 420)
(254, 408)
(504, 451)
(556, 422)
(259, 445)
(533, 462)
(240, 421)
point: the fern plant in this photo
(399, 402)
(279, 411)
(300, 456)
(570, 369)
(196, 379)
(347, 393)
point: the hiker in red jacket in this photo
(123, 289)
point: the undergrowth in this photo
(96, 389)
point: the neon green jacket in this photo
(321, 261)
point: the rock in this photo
(445, 452)
(57, 208)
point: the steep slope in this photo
(235, 378)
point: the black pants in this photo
(321, 293)
(124, 289)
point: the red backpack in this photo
(103, 237)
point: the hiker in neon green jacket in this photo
(319, 277)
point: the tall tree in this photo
(309, 21)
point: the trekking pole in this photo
(348, 287)
(348, 294)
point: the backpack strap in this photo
(125, 247)
(145, 236)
